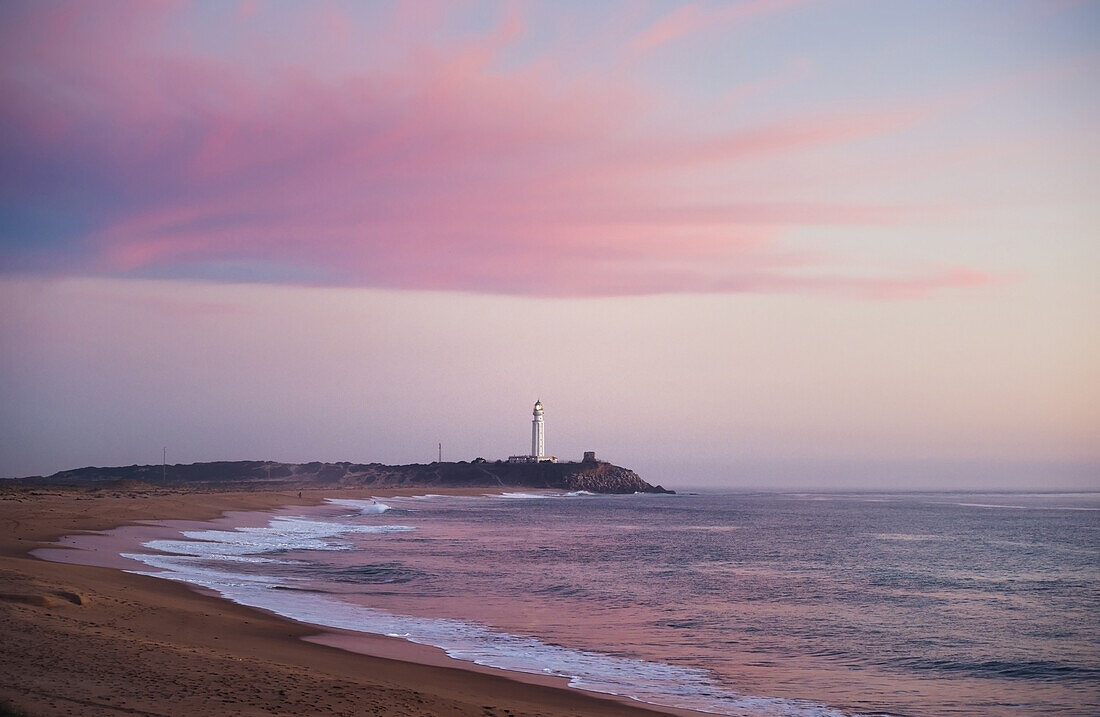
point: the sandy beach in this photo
(82, 640)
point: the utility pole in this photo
(164, 464)
(440, 452)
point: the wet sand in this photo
(85, 640)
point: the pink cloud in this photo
(439, 172)
(695, 17)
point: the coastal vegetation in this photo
(593, 476)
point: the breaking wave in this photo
(365, 507)
(206, 558)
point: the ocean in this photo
(736, 604)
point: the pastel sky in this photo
(767, 243)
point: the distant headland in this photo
(589, 475)
(535, 470)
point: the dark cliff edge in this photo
(592, 476)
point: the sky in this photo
(786, 244)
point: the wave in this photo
(365, 507)
(1023, 669)
(282, 534)
(204, 558)
(374, 573)
(1006, 506)
(912, 538)
(547, 494)
(646, 681)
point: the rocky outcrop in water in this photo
(593, 476)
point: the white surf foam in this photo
(547, 494)
(642, 680)
(206, 556)
(366, 507)
(280, 535)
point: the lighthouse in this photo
(538, 433)
(538, 440)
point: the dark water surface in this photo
(745, 604)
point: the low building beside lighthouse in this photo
(538, 439)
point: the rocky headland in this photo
(593, 476)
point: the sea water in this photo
(738, 604)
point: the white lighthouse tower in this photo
(538, 433)
(538, 440)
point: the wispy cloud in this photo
(159, 153)
(695, 17)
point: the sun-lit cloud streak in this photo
(691, 18)
(442, 171)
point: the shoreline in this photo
(99, 640)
